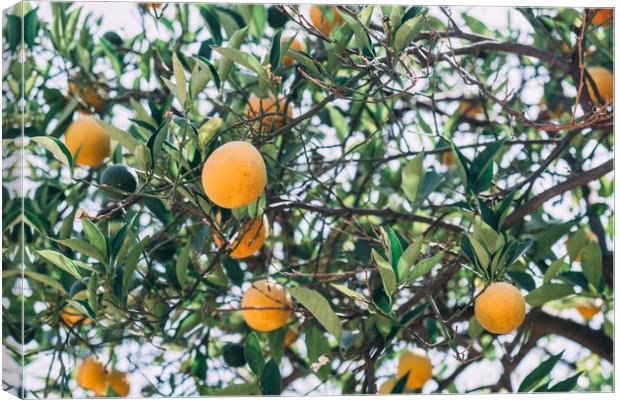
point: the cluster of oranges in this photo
(91, 374)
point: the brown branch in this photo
(516, 48)
(596, 341)
(351, 211)
(571, 183)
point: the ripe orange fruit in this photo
(86, 138)
(296, 44)
(266, 305)
(91, 375)
(604, 81)
(249, 240)
(419, 366)
(448, 158)
(119, 383)
(291, 336)
(87, 94)
(269, 111)
(588, 309)
(70, 316)
(603, 17)
(387, 386)
(471, 109)
(234, 175)
(500, 308)
(325, 23)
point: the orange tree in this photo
(381, 197)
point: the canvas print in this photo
(227, 199)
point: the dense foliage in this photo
(413, 155)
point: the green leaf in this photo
(234, 271)
(128, 241)
(481, 254)
(409, 256)
(131, 262)
(235, 42)
(179, 77)
(46, 280)
(319, 307)
(553, 269)
(474, 329)
(247, 60)
(110, 51)
(424, 266)
(95, 236)
(395, 16)
(539, 373)
(338, 122)
(481, 171)
(476, 25)
(566, 385)
(124, 138)
(91, 292)
(462, 163)
(207, 132)
(31, 26)
(350, 293)
(201, 75)
(199, 365)
(141, 113)
(258, 19)
(387, 273)
(208, 66)
(361, 36)
(182, 263)
(412, 177)
(548, 237)
(317, 345)
(13, 31)
(237, 389)
(271, 380)
(431, 181)
(395, 248)
(57, 148)
(60, 261)
(274, 54)
(213, 22)
(253, 354)
(592, 263)
(276, 343)
(549, 292)
(408, 32)
(487, 236)
(305, 61)
(156, 142)
(576, 243)
(83, 247)
(401, 384)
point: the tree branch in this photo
(524, 50)
(350, 211)
(596, 341)
(570, 183)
